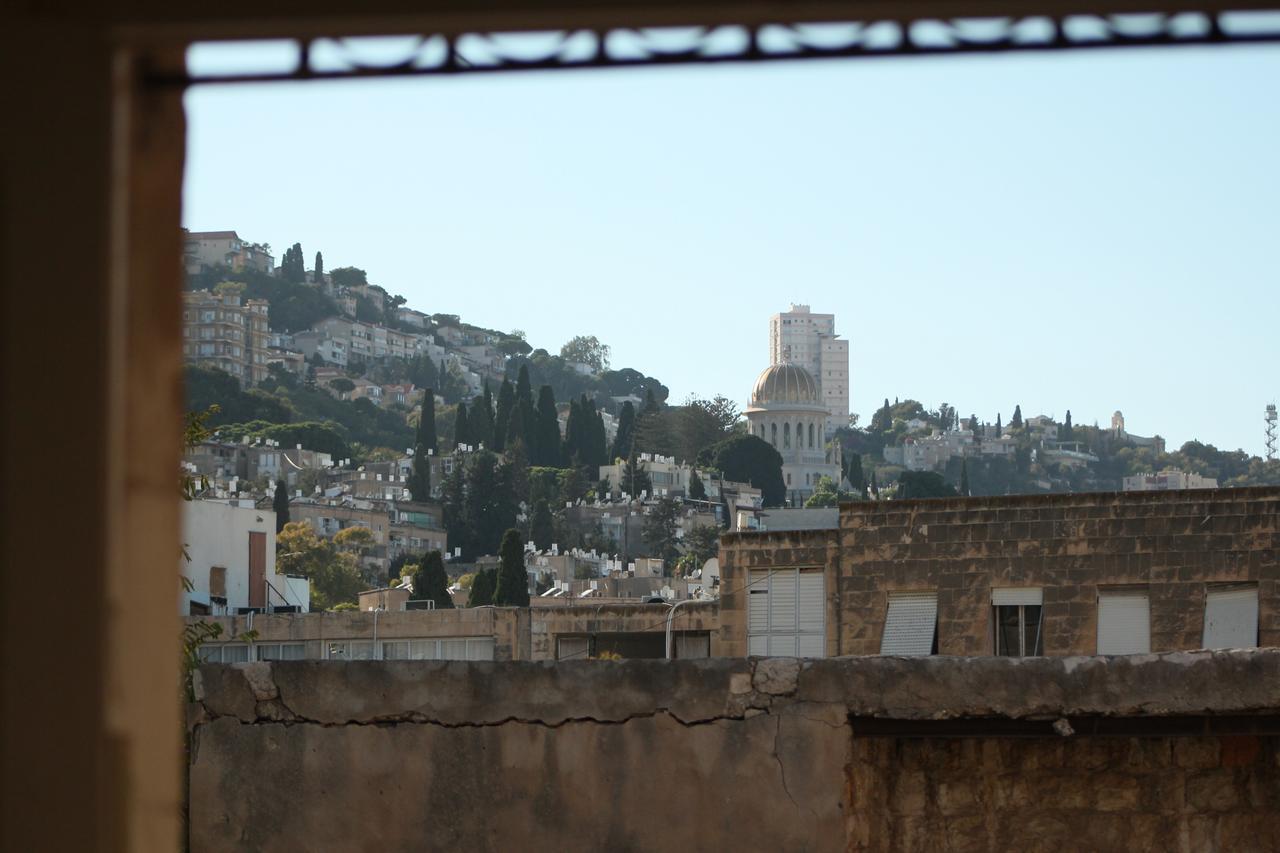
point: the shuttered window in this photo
(571, 648)
(910, 624)
(1231, 617)
(1124, 623)
(786, 613)
(693, 646)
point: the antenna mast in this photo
(1270, 418)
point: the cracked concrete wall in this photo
(758, 754)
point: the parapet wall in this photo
(1162, 752)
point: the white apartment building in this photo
(232, 565)
(809, 340)
(1168, 479)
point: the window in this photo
(1231, 617)
(1124, 623)
(786, 613)
(773, 429)
(1017, 622)
(224, 653)
(350, 650)
(810, 436)
(786, 436)
(910, 624)
(692, 645)
(281, 651)
(573, 648)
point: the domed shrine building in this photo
(786, 410)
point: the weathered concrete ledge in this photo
(867, 754)
(932, 688)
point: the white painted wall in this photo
(217, 534)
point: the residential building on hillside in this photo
(668, 477)
(230, 562)
(208, 250)
(332, 350)
(1117, 430)
(226, 332)
(1168, 479)
(809, 340)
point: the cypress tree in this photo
(697, 491)
(1067, 433)
(875, 487)
(651, 406)
(513, 581)
(431, 582)
(599, 441)
(626, 432)
(319, 273)
(857, 480)
(546, 441)
(572, 447)
(482, 588)
(1015, 422)
(461, 427)
(541, 528)
(280, 503)
(481, 419)
(502, 417)
(426, 437)
(964, 477)
(999, 427)
(420, 475)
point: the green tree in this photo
(541, 527)
(626, 432)
(513, 581)
(702, 542)
(280, 503)
(1066, 433)
(923, 484)
(999, 426)
(1015, 422)
(545, 449)
(453, 497)
(587, 349)
(461, 427)
(481, 418)
(319, 270)
(348, 277)
(659, 530)
(750, 459)
(825, 494)
(964, 477)
(426, 436)
(502, 417)
(483, 587)
(697, 491)
(334, 575)
(634, 477)
(853, 473)
(490, 505)
(522, 412)
(431, 583)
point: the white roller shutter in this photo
(758, 602)
(758, 645)
(1017, 596)
(1124, 623)
(782, 601)
(782, 645)
(571, 648)
(811, 645)
(1231, 618)
(909, 624)
(812, 605)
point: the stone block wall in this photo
(742, 552)
(1071, 546)
(874, 754)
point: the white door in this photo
(1231, 618)
(1124, 623)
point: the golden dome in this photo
(785, 383)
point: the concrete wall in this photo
(518, 634)
(1174, 543)
(740, 754)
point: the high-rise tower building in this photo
(801, 337)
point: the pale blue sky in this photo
(1087, 231)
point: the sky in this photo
(1085, 231)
